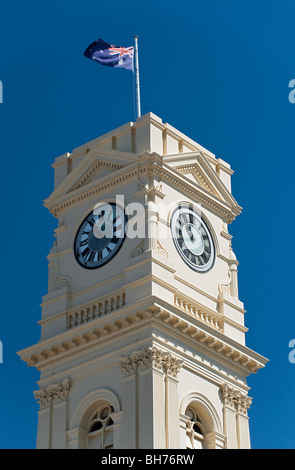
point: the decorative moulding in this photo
(192, 190)
(151, 357)
(55, 393)
(197, 334)
(138, 250)
(235, 399)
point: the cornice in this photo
(227, 211)
(198, 335)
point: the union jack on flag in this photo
(110, 55)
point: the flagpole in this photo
(137, 89)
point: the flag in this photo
(112, 56)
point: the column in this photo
(243, 422)
(52, 424)
(152, 224)
(171, 369)
(233, 269)
(44, 420)
(150, 399)
(59, 394)
(129, 403)
(236, 425)
(229, 418)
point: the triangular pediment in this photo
(97, 171)
(194, 174)
(195, 168)
(144, 147)
(95, 165)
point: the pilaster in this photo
(52, 415)
(236, 421)
(150, 393)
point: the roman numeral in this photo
(86, 252)
(90, 221)
(90, 256)
(203, 232)
(178, 232)
(204, 258)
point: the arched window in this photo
(195, 431)
(100, 428)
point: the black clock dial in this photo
(192, 238)
(100, 236)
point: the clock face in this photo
(100, 236)
(192, 238)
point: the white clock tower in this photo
(142, 331)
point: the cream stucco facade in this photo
(142, 352)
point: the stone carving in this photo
(151, 357)
(235, 399)
(62, 281)
(52, 394)
(138, 250)
(161, 250)
(224, 287)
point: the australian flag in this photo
(112, 56)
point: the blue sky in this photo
(217, 70)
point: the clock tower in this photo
(142, 330)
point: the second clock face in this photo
(100, 236)
(192, 238)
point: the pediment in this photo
(195, 168)
(194, 174)
(98, 170)
(191, 173)
(94, 166)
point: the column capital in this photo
(233, 398)
(150, 357)
(55, 393)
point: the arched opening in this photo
(95, 423)
(195, 430)
(199, 421)
(100, 428)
